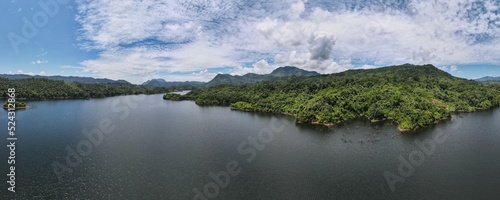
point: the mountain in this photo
(69, 79)
(226, 79)
(292, 71)
(43, 89)
(411, 95)
(163, 83)
(488, 79)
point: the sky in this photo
(180, 40)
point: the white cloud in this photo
(42, 73)
(321, 47)
(22, 72)
(202, 75)
(453, 68)
(303, 61)
(296, 9)
(154, 37)
(260, 67)
(39, 61)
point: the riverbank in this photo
(400, 129)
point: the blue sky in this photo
(196, 39)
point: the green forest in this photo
(43, 89)
(413, 96)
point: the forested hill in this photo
(226, 79)
(413, 96)
(164, 83)
(292, 71)
(70, 79)
(41, 89)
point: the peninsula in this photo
(411, 95)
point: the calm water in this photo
(163, 150)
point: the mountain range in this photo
(219, 79)
(164, 83)
(250, 78)
(70, 79)
(488, 79)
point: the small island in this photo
(173, 97)
(19, 105)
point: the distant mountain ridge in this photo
(254, 78)
(70, 79)
(488, 79)
(163, 83)
(292, 71)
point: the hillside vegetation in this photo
(412, 96)
(41, 89)
(70, 79)
(250, 78)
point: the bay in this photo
(166, 150)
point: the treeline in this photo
(42, 89)
(413, 96)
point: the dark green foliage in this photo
(41, 89)
(413, 96)
(240, 105)
(173, 97)
(69, 79)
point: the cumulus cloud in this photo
(153, 37)
(22, 72)
(260, 67)
(203, 75)
(321, 47)
(297, 9)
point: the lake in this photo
(143, 147)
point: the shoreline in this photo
(401, 130)
(75, 98)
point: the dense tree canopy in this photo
(41, 89)
(413, 96)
